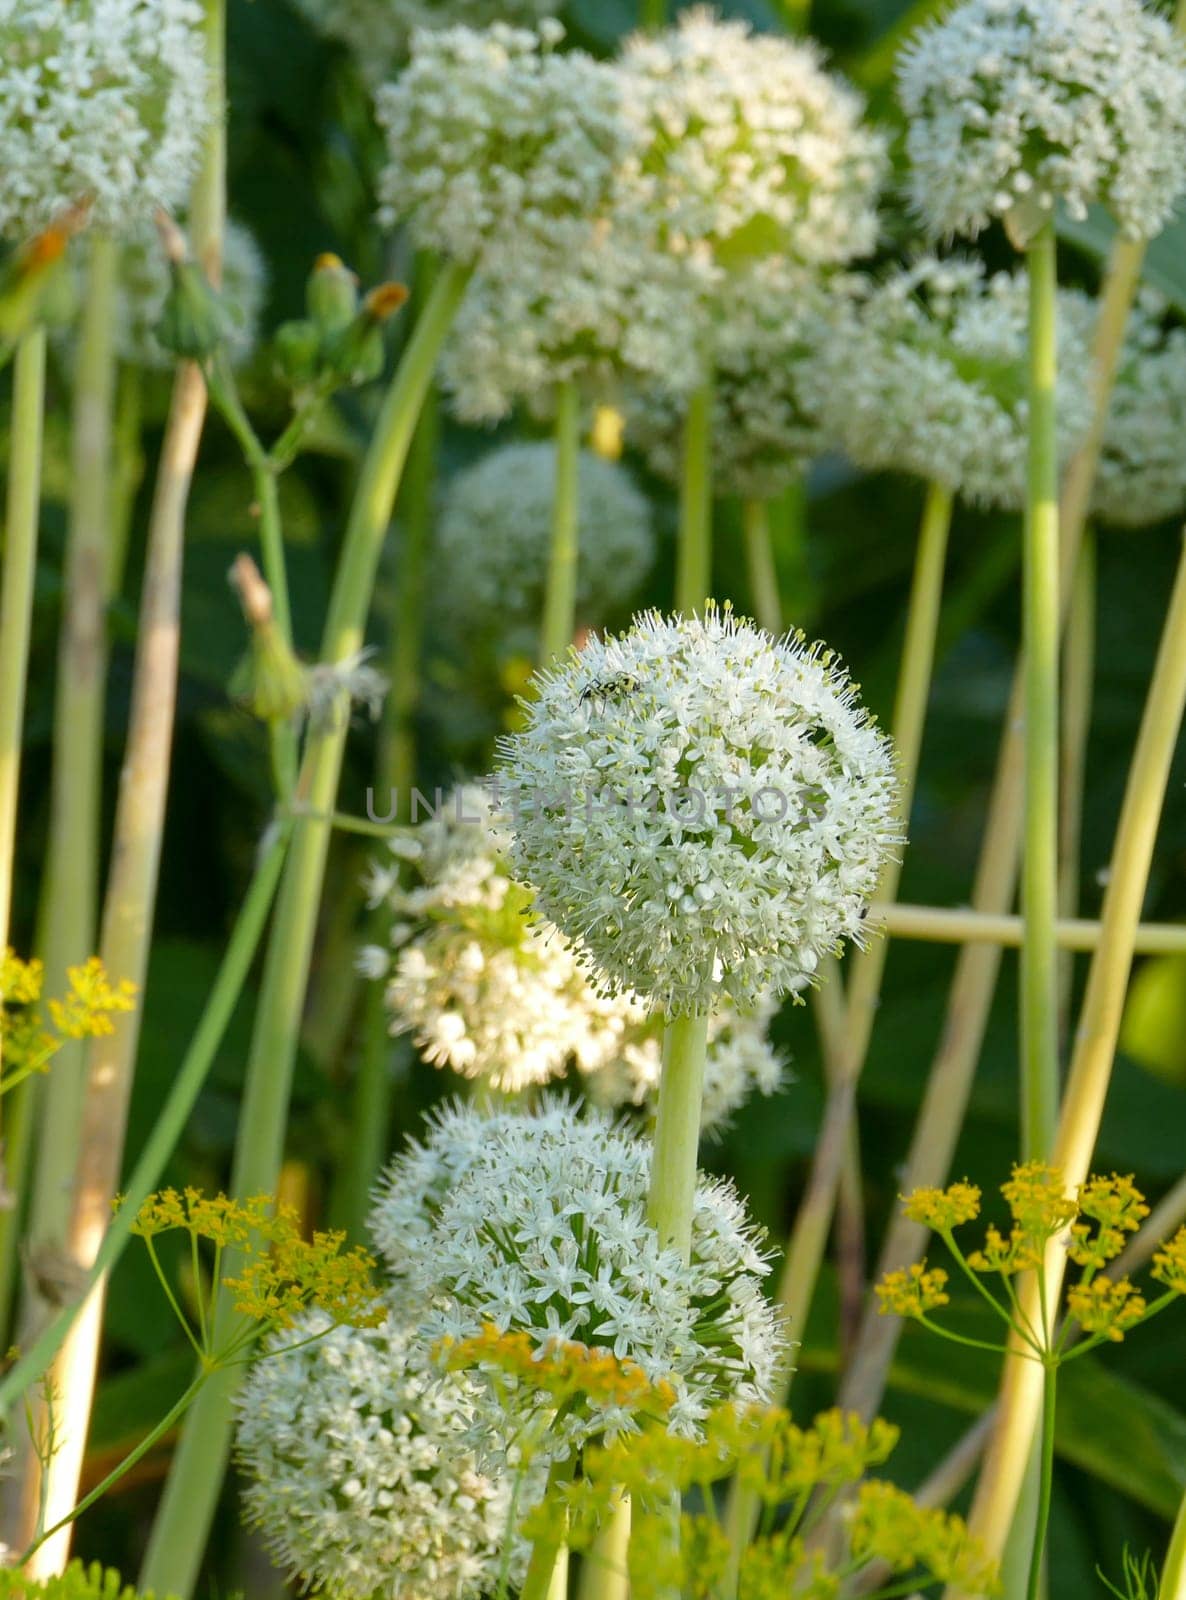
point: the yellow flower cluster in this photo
(84, 1012)
(943, 1209)
(564, 1369)
(913, 1291)
(1106, 1308)
(1169, 1264)
(77, 1582)
(803, 1469)
(1117, 1208)
(281, 1274)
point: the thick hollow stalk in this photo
(16, 597)
(1077, 684)
(652, 13)
(1040, 630)
(693, 561)
(677, 1131)
(605, 1568)
(547, 1568)
(1173, 1573)
(183, 1520)
(763, 574)
(1094, 1051)
(70, 904)
(560, 591)
(970, 999)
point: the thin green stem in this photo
(191, 1075)
(1040, 626)
(560, 593)
(171, 1417)
(763, 574)
(183, 1520)
(693, 570)
(1049, 1399)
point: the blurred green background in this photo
(303, 157)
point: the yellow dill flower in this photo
(1020, 1252)
(913, 1292)
(20, 981)
(295, 1274)
(563, 1368)
(1037, 1198)
(1116, 1207)
(943, 1209)
(887, 1525)
(1169, 1264)
(780, 1565)
(92, 1000)
(837, 1449)
(1106, 1308)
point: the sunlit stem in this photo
(763, 574)
(693, 568)
(560, 591)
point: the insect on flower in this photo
(608, 690)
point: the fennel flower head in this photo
(356, 1469)
(377, 32)
(102, 103)
(492, 994)
(496, 141)
(496, 528)
(703, 810)
(543, 1232)
(1016, 104)
(925, 373)
(765, 427)
(1141, 477)
(144, 286)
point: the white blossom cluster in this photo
(704, 811)
(1015, 104)
(926, 373)
(495, 534)
(541, 1228)
(144, 285)
(102, 102)
(746, 148)
(357, 1470)
(376, 32)
(1141, 476)
(487, 991)
(765, 430)
(499, 146)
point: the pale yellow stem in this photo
(1094, 1051)
(937, 925)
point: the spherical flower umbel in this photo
(1141, 477)
(495, 535)
(705, 811)
(489, 992)
(926, 373)
(746, 147)
(102, 103)
(357, 1471)
(497, 142)
(1015, 104)
(542, 1229)
(376, 32)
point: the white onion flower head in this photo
(703, 810)
(101, 102)
(926, 373)
(497, 141)
(357, 1470)
(1016, 104)
(545, 1232)
(747, 147)
(765, 428)
(495, 536)
(487, 991)
(144, 286)
(377, 32)
(1141, 476)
